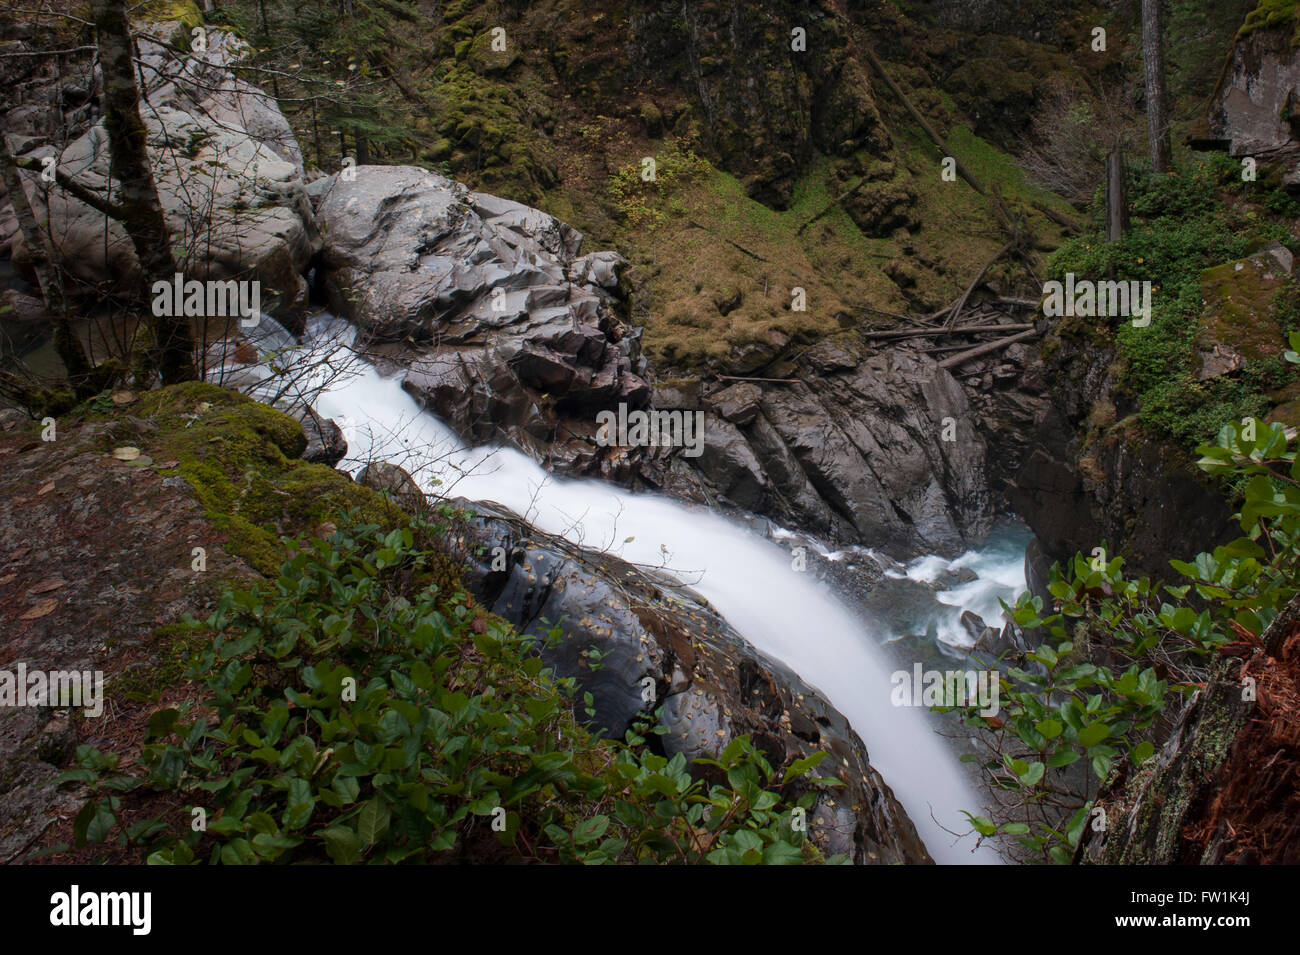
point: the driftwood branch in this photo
(961, 302)
(833, 203)
(1063, 221)
(920, 120)
(936, 332)
(913, 319)
(985, 349)
(779, 381)
(748, 252)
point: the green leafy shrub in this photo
(1120, 649)
(1183, 223)
(357, 714)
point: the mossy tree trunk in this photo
(142, 213)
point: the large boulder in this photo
(518, 339)
(660, 645)
(228, 171)
(853, 451)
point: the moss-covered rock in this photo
(240, 458)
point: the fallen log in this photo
(833, 203)
(936, 332)
(961, 302)
(778, 381)
(985, 349)
(1018, 302)
(944, 348)
(914, 319)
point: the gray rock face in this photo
(222, 153)
(394, 481)
(854, 452)
(1143, 498)
(519, 340)
(1254, 108)
(661, 645)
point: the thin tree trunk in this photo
(1116, 202)
(142, 212)
(66, 343)
(1153, 60)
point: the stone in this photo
(516, 339)
(711, 684)
(395, 481)
(223, 154)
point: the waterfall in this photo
(747, 578)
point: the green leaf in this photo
(93, 823)
(342, 844)
(1049, 728)
(1093, 733)
(589, 830)
(372, 821)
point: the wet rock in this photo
(325, 441)
(729, 464)
(676, 393)
(24, 323)
(516, 340)
(395, 481)
(739, 403)
(974, 626)
(661, 645)
(1081, 483)
(870, 442)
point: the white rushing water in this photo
(747, 578)
(974, 581)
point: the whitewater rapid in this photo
(748, 579)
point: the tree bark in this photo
(142, 213)
(1116, 201)
(1153, 60)
(81, 373)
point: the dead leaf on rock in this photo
(46, 489)
(126, 453)
(48, 584)
(42, 609)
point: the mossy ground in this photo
(240, 458)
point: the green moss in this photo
(240, 458)
(169, 11)
(1239, 298)
(1273, 14)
